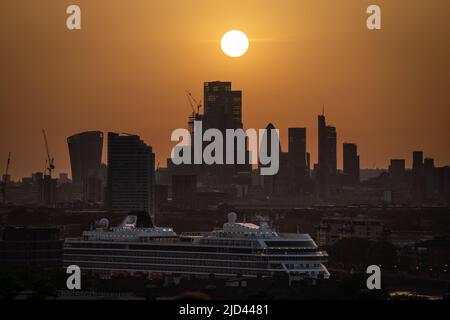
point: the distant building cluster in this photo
(130, 180)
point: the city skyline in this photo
(160, 160)
(246, 151)
(381, 90)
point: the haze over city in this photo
(239, 154)
(128, 68)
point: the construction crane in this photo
(5, 179)
(195, 105)
(50, 160)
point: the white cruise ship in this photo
(236, 250)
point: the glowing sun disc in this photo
(234, 43)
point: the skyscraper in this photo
(223, 106)
(327, 164)
(85, 150)
(130, 174)
(297, 146)
(322, 141)
(223, 110)
(270, 134)
(417, 161)
(331, 147)
(351, 164)
(297, 157)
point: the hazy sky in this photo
(128, 68)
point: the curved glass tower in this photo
(85, 151)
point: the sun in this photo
(234, 43)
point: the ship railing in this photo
(193, 234)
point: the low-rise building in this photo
(36, 248)
(337, 227)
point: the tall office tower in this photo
(223, 106)
(351, 164)
(93, 190)
(327, 164)
(297, 157)
(417, 176)
(223, 110)
(270, 183)
(131, 167)
(268, 136)
(297, 146)
(85, 150)
(322, 141)
(417, 161)
(397, 169)
(332, 143)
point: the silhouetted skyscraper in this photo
(131, 167)
(271, 134)
(417, 161)
(223, 106)
(327, 164)
(297, 157)
(85, 150)
(223, 110)
(271, 183)
(351, 163)
(297, 146)
(331, 147)
(322, 142)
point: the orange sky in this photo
(128, 68)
